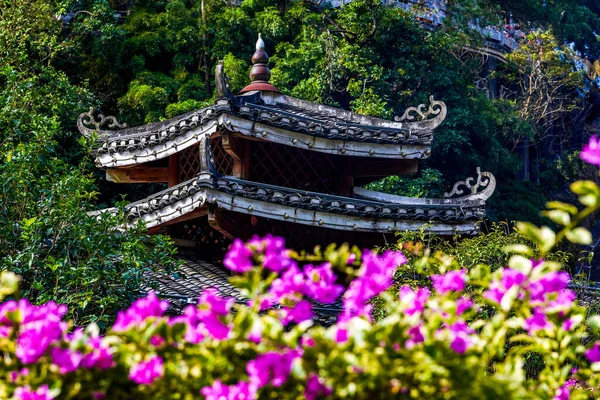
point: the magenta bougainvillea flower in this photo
(66, 359)
(315, 388)
(552, 282)
(100, 355)
(563, 393)
(462, 337)
(463, 304)
(146, 372)
(498, 288)
(414, 302)
(27, 393)
(238, 258)
(452, 281)
(290, 285)
(140, 310)
(375, 276)
(219, 391)
(271, 367)
(301, 311)
(321, 283)
(415, 335)
(39, 327)
(564, 301)
(537, 322)
(205, 318)
(591, 151)
(593, 354)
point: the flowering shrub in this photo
(469, 333)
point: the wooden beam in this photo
(137, 175)
(223, 224)
(235, 149)
(197, 213)
(184, 242)
(232, 146)
(381, 168)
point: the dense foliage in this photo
(46, 234)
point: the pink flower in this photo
(140, 310)
(271, 368)
(563, 302)
(26, 393)
(567, 324)
(210, 307)
(320, 283)
(563, 393)
(341, 335)
(414, 301)
(291, 285)
(593, 354)
(218, 391)
(66, 360)
(302, 311)
(14, 375)
(238, 258)
(552, 282)
(99, 357)
(157, 341)
(147, 372)
(463, 304)
(510, 278)
(450, 281)
(205, 318)
(591, 151)
(414, 336)
(375, 276)
(276, 256)
(537, 322)
(315, 388)
(40, 326)
(462, 339)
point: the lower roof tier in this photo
(393, 213)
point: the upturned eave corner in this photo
(88, 118)
(423, 116)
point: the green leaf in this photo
(558, 216)
(579, 236)
(559, 205)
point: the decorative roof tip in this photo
(88, 119)
(260, 72)
(260, 44)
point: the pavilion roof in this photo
(378, 214)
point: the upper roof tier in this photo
(261, 112)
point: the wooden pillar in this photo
(234, 147)
(223, 223)
(173, 178)
(246, 161)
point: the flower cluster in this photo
(376, 276)
(546, 292)
(269, 252)
(205, 318)
(591, 151)
(293, 287)
(241, 354)
(39, 327)
(139, 311)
